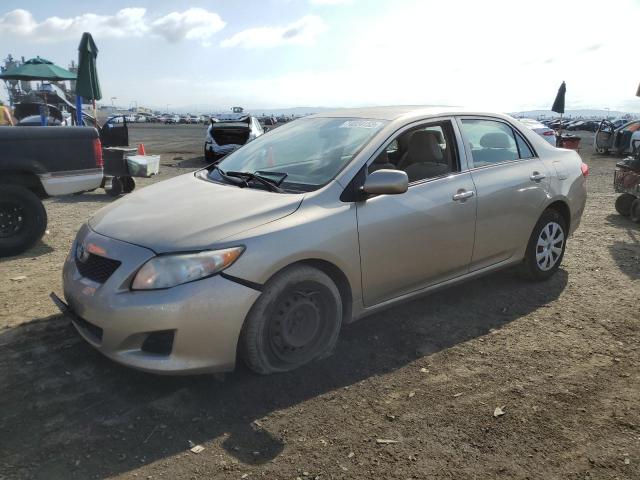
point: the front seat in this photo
(381, 163)
(424, 158)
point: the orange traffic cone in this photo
(141, 149)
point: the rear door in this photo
(511, 185)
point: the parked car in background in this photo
(37, 162)
(318, 223)
(225, 136)
(548, 134)
(619, 140)
(171, 119)
(268, 120)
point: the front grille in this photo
(97, 268)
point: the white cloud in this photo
(192, 24)
(330, 2)
(300, 32)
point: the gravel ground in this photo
(410, 392)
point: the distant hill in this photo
(585, 113)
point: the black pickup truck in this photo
(36, 162)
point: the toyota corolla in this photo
(266, 255)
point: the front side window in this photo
(307, 153)
(423, 152)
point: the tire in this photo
(544, 251)
(209, 157)
(634, 213)
(128, 184)
(623, 204)
(602, 151)
(23, 219)
(296, 320)
(116, 187)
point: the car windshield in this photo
(310, 151)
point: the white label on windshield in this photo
(361, 124)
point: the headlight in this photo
(166, 271)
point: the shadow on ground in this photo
(98, 195)
(39, 249)
(67, 412)
(626, 252)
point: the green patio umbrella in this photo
(37, 69)
(87, 84)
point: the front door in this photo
(424, 236)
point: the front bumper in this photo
(205, 317)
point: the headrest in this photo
(382, 158)
(424, 147)
(495, 140)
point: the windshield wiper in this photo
(247, 177)
(228, 178)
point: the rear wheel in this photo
(623, 204)
(546, 247)
(23, 219)
(297, 319)
(116, 187)
(602, 151)
(634, 213)
(128, 184)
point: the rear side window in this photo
(523, 148)
(492, 142)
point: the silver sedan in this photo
(316, 224)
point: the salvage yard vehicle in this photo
(322, 221)
(626, 182)
(545, 132)
(618, 140)
(37, 162)
(225, 136)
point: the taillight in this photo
(97, 152)
(585, 169)
(548, 133)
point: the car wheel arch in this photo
(562, 207)
(335, 273)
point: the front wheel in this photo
(297, 319)
(546, 247)
(23, 219)
(602, 151)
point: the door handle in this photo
(537, 176)
(462, 195)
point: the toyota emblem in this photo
(81, 253)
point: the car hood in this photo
(187, 213)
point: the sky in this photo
(500, 55)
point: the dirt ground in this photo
(561, 358)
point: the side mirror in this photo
(386, 182)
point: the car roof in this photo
(406, 112)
